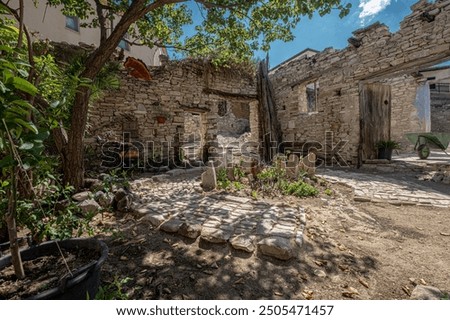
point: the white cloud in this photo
(371, 7)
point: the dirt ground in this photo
(351, 251)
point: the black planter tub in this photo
(83, 283)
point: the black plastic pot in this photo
(385, 153)
(83, 283)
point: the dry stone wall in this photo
(374, 55)
(180, 105)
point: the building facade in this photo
(47, 22)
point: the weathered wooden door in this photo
(375, 118)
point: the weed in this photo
(238, 172)
(299, 189)
(254, 194)
(328, 192)
(114, 290)
(238, 186)
(222, 179)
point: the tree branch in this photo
(101, 21)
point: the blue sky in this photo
(331, 31)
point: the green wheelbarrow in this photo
(424, 141)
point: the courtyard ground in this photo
(365, 249)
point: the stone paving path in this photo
(393, 190)
(182, 207)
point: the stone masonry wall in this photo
(440, 118)
(376, 55)
(404, 116)
(440, 111)
(177, 90)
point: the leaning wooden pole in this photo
(270, 127)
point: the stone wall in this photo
(440, 110)
(178, 106)
(440, 118)
(373, 55)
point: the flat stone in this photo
(209, 178)
(176, 172)
(154, 219)
(141, 212)
(171, 226)
(243, 242)
(215, 235)
(160, 178)
(426, 293)
(191, 231)
(81, 196)
(264, 226)
(89, 205)
(276, 247)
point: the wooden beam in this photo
(230, 94)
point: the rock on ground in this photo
(426, 293)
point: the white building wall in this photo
(49, 23)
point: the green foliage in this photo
(48, 212)
(388, 144)
(299, 189)
(228, 31)
(254, 194)
(114, 290)
(328, 192)
(222, 180)
(237, 185)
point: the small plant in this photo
(238, 186)
(387, 144)
(254, 194)
(328, 192)
(238, 172)
(299, 189)
(114, 290)
(222, 180)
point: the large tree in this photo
(229, 30)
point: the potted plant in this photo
(385, 148)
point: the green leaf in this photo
(24, 85)
(29, 125)
(6, 48)
(7, 161)
(26, 146)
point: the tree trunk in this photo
(10, 219)
(73, 164)
(73, 152)
(269, 124)
(73, 167)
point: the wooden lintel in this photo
(230, 94)
(195, 109)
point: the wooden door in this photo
(375, 118)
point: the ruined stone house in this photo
(371, 90)
(377, 88)
(189, 109)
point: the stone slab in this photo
(276, 247)
(215, 235)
